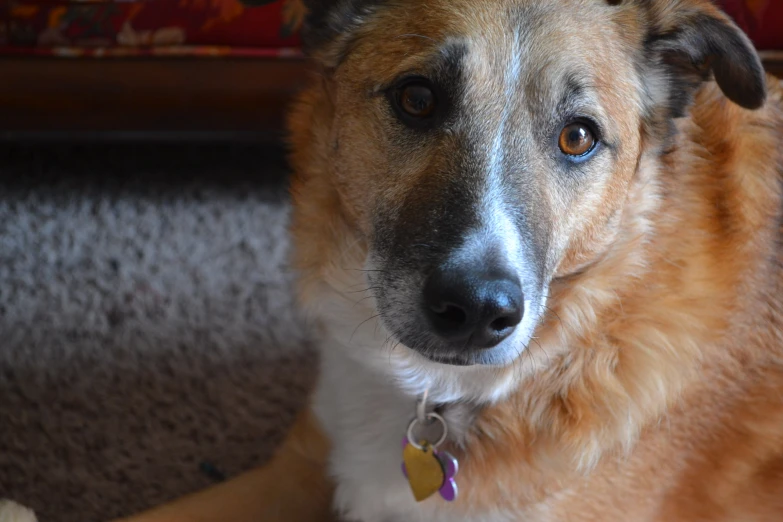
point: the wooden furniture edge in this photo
(773, 62)
(161, 96)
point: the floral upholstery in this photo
(160, 27)
(217, 27)
(761, 19)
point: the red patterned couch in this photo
(125, 28)
(184, 65)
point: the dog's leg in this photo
(293, 487)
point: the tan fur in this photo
(704, 310)
(656, 388)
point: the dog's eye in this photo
(577, 139)
(415, 102)
(417, 99)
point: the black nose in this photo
(477, 307)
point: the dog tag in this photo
(427, 479)
(423, 469)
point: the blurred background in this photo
(149, 345)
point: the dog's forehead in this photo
(531, 60)
(491, 45)
(534, 39)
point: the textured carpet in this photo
(148, 339)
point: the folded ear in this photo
(329, 25)
(691, 39)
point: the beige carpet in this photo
(148, 340)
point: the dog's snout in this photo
(471, 306)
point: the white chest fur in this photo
(366, 416)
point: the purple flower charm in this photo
(449, 467)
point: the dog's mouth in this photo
(450, 359)
(413, 331)
(441, 353)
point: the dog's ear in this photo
(329, 25)
(691, 39)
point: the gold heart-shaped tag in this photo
(425, 473)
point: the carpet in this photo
(149, 343)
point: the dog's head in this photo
(479, 150)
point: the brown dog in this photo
(561, 219)
(547, 214)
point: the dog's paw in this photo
(13, 512)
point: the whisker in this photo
(360, 325)
(369, 288)
(391, 352)
(375, 330)
(518, 363)
(530, 355)
(387, 340)
(357, 303)
(554, 313)
(548, 359)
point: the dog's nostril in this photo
(503, 323)
(451, 314)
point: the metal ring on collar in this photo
(430, 417)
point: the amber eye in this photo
(576, 139)
(417, 99)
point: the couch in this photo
(185, 67)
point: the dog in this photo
(552, 228)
